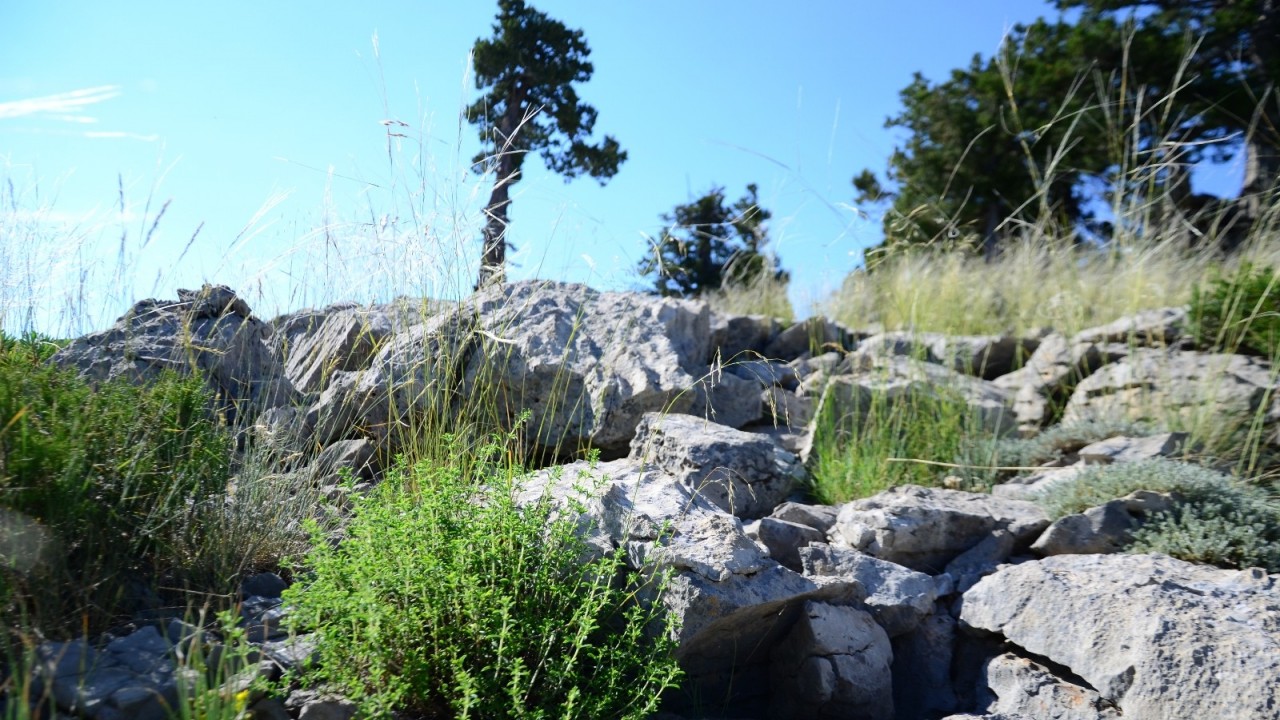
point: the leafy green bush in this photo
(1217, 520)
(1239, 312)
(447, 599)
(106, 476)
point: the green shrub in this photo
(1239, 312)
(107, 476)
(446, 599)
(1217, 519)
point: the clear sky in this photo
(224, 108)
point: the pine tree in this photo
(707, 244)
(528, 71)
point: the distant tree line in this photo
(1122, 99)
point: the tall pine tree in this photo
(528, 71)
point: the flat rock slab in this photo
(926, 528)
(1155, 636)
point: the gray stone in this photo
(1155, 636)
(984, 356)
(1029, 487)
(786, 409)
(815, 333)
(1156, 386)
(1149, 328)
(1042, 387)
(926, 528)
(765, 373)
(1107, 528)
(357, 456)
(345, 340)
(742, 473)
(1023, 687)
(784, 539)
(739, 337)
(819, 517)
(897, 598)
(980, 560)
(835, 663)
(1128, 449)
(209, 333)
(900, 379)
(727, 399)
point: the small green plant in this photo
(1238, 312)
(870, 441)
(106, 478)
(448, 599)
(1217, 519)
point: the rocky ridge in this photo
(915, 603)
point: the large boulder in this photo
(1022, 687)
(1042, 386)
(584, 365)
(209, 332)
(1153, 636)
(733, 603)
(926, 528)
(1156, 385)
(834, 664)
(896, 597)
(745, 474)
(345, 339)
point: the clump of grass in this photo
(762, 293)
(870, 440)
(99, 484)
(1217, 520)
(1238, 311)
(447, 599)
(1035, 283)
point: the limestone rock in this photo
(819, 517)
(1025, 688)
(727, 399)
(1150, 328)
(922, 667)
(834, 664)
(345, 340)
(1107, 528)
(900, 379)
(209, 332)
(896, 597)
(926, 528)
(1122, 449)
(1154, 636)
(743, 473)
(784, 539)
(740, 337)
(1153, 385)
(802, 337)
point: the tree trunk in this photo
(493, 260)
(1261, 171)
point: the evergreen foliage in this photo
(708, 244)
(527, 72)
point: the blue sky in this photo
(222, 108)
